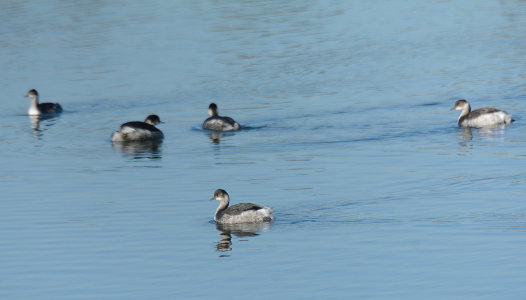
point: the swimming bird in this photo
(218, 123)
(139, 131)
(239, 213)
(481, 117)
(36, 109)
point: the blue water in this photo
(377, 193)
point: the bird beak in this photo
(453, 108)
(213, 198)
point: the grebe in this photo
(480, 117)
(239, 213)
(218, 123)
(139, 131)
(36, 109)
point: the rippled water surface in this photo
(349, 137)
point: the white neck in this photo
(33, 106)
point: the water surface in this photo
(377, 193)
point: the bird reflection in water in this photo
(241, 231)
(215, 136)
(470, 136)
(485, 133)
(140, 149)
(35, 124)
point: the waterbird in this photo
(38, 109)
(219, 123)
(239, 213)
(139, 131)
(482, 117)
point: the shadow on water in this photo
(241, 231)
(140, 149)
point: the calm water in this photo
(377, 193)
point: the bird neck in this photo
(223, 204)
(33, 106)
(34, 101)
(212, 112)
(465, 111)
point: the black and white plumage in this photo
(38, 109)
(482, 117)
(239, 213)
(139, 131)
(219, 123)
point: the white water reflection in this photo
(37, 121)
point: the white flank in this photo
(491, 119)
(252, 216)
(132, 134)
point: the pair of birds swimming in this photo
(249, 212)
(140, 131)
